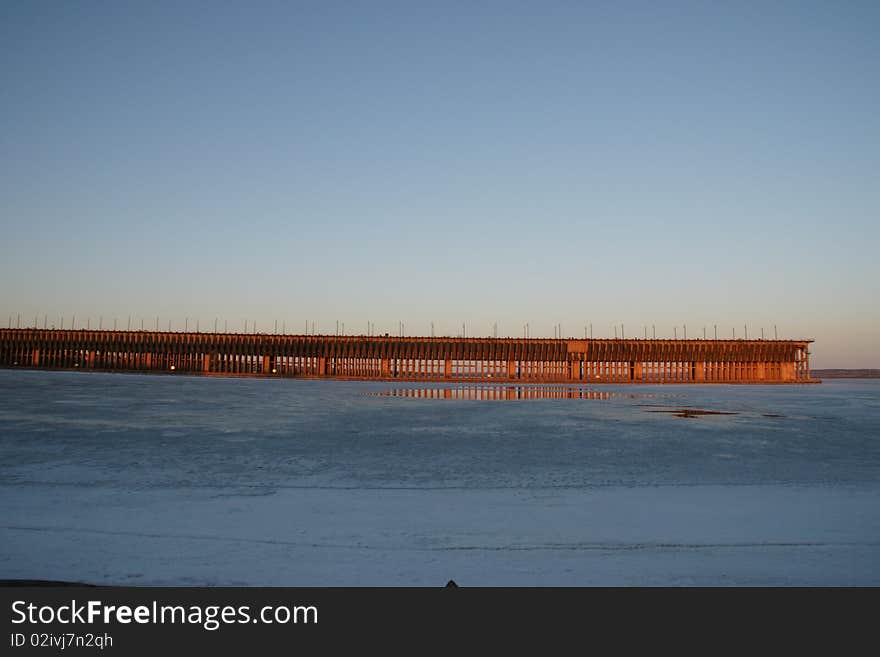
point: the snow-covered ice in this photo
(111, 478)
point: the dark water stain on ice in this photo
(692, 412)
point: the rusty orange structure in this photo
(411, 358)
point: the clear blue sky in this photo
(645, 163)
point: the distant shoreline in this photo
(845, 374)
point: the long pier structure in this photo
(411, 358)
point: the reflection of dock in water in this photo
(497, 393)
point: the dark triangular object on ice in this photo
(451, 584)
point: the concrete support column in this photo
(384, 368)
(699, 371)
(638, 374)
(35, 358)
(322, 366)
(206, 363)
(447, 368)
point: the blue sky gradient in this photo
(641, 163)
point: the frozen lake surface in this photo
(127, 479)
